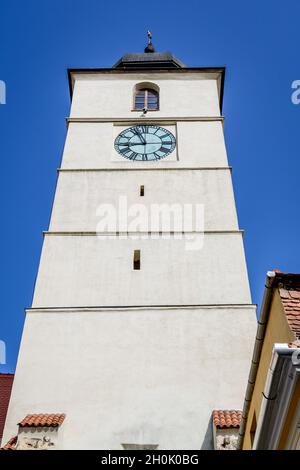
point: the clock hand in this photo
(142, 139)
(137, 132)
(146, 143)
(154, 143)
(131, 145)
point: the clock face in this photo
(145, 142)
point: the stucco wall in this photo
(111, 95)
(79, 195)
(140, 376)
(135, 376)
(91, 145)
(92, 270)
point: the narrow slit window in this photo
(137, 259)
(142, 190)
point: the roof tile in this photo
(45, 420)
(227, 418)
(11, 444)
(290, 297)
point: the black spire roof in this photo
(149, 59)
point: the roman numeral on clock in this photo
(125, 151)
(133, 156)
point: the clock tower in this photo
(141, 322)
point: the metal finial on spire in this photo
(150, 47)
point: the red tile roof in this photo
(45, 420)
(290, 297)
(227, 418)
(6, 381)
(11, 444)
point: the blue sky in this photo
(257, 42)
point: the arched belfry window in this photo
(146, 96)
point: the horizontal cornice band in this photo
(163, 119)
(199, 168)
(120, 234)
(137, 307)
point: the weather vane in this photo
(149, 47)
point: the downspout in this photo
(270, 393)
(280, 353)
(260, 334)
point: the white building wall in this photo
(150, 376)
(87, 270)
(90, 145)
(81, 195)
(111, 94)
(138, 375)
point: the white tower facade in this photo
(138, 331)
